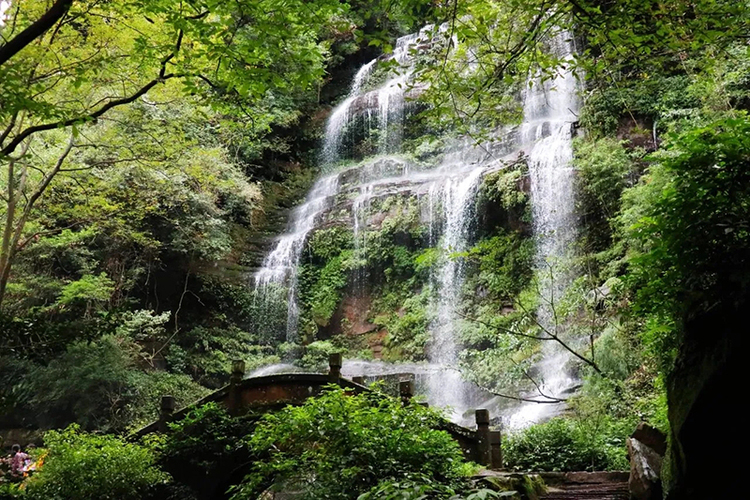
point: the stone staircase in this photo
(586, 486)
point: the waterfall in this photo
(342, 115)
(360, 211)
(446, 194)
(455, 195)
(550, 111)
(280, 266)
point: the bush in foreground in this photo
(339, 446)
(567, 445)
(93, 467)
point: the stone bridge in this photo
(276, 391)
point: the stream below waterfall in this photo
(447, 194)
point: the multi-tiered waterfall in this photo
(550, 111)
(446, 194)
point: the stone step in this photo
(595, 491)
(586, 485)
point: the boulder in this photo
(645, 471)
(651, 437)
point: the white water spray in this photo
(280, 266)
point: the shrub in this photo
(148, 388)
(337, 446)
(86, 383)
(418, 487)
(206, 445)
(649, 99)
(99, 386)
(505, 264)
(687, 227)
(605, 168)
(96, 467)
(566, 445)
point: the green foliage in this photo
(316, 354)
(84, 383)
(646, 99)
(327, 244)
(324, 276)
(141, 39)
(615, 353)
(408, 328)
(503, 186)
(205, 442)
(142, 325)
(11, 490)
(88, 289)
(93, 467)
(687, 223)
(141, 404)
(418, 486)
(339, 445)
(98, 385)
(568, 445)
(605, 166)
(505, 264)
(206, 353)
(325, 297)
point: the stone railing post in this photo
(406, 391)
(238, 371)
(166, 409)
(234, 402)
(335, 361)
(484, 450)
(496, 450)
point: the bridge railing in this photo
(482, 445)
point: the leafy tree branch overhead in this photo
(72, 63)
(75, 61)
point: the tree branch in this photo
(161, 78)
(37, 29)
(12, 145)
(9, 128)
(549, 400)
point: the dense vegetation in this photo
(145, 150)
(335, 446)
(148, 149)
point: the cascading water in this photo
(550, 112)
(455, 194)
(447, 195)
(342, 115)
(280, 266)
(360, 210)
